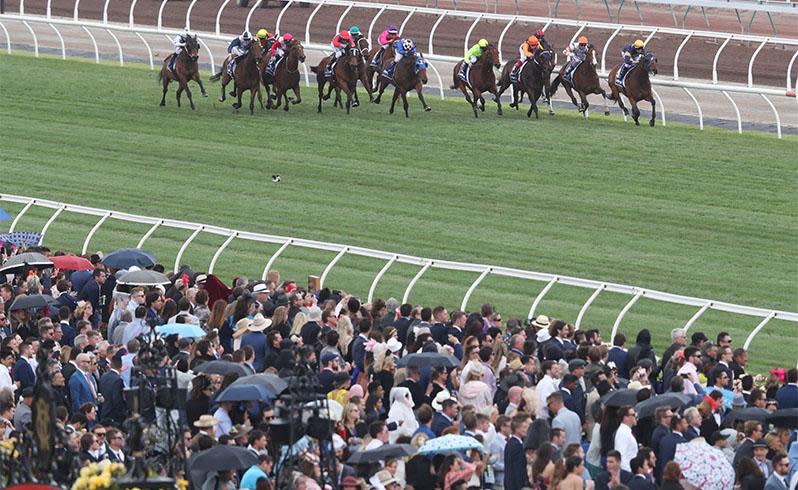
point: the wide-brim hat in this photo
(442, 396)
(394, 345)
(542, 321)
(205, 422)
(259, 323)
(386, 478)
(242, 327)
(260, 288)
(543, 335)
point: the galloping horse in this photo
(186, 69)
(247, 77)
(480, 79)
(532, 80)
(410, 73)
(363, 70)
(286, 76)
(585, 81)
(345, 76)
(636, 87)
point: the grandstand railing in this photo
(635, 293)
(434, 59)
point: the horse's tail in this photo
(216, 77)
(555, 85)
(160, 76)
(315, 69)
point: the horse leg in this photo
(252, 100)
(419, 87)
(260, 97)
(225, 81)
(653, 110)
(278, 97)
(179, 93)
(394, 99)
(570, 93)
(404, 102)
(329, 91)
(497, 99)
(584, 104)
(533, 104)
(382, 85)
(321, 91)
(190, 100)
(285, 96)
(165, 89)
(296, 92)
(472, 102)
(635, 112)
(606, 106)
(348, 100)
(239, 93)
(199, 82)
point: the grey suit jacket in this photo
(775, 482)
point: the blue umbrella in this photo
(182, 329)
(21, 238)
(240, 393)
(272, 382)
(448, 444)
(4, 215)
(125, 258)
(427, 359)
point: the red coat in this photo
(340, 42)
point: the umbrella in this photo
(786, 417)
(72, 263)
(241, 393)
(381, 453)
(4, 215)
(272, 382)
(32, 301)
(21, 238)
(182, 329)
(125, 258)
(750, 413)
(620, 398)
(450, 443)
(144, 278)
(646, 408)
(425, 359)
(220, 367)
(219, 458)
(26, 259)
(334, 409)
(703, 466)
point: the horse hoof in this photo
(232, 93)
(606, 113)
(551, 113)
(651, 123)
(326, 97)
(355, 104)
(162, 104)
(427, 109)
(637, 123)
(499, 112)
(221, 99)
(236, 106)
(513, 105)
(204, 94)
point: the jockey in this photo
(526, 51)
(354, 31)
(471, 57)
(631, 56)
(277, 51)
(541, 38)
(180, 42)
(240, 45)
(387, 37)
(402, 48)
(341, 42)
(576, 53)
(265, 39)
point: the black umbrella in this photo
(383, 452)
(646, 408)
(27, 259)
(143, 278)
(620, 398)
(428, 359)
(125, 258)
(219, 458)
(786, 417)
(274, 383)
(750, 413)
(32, 301)
(220, 367)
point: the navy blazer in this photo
(359, 352)
(787, 396)
(256, 340)
(23, 372)
(667, 452)
(638, 483)
(603, 479)
(515, 475)
(114, 408)
(618, 356)
(402, 325)
(80, 391)
(439, 423)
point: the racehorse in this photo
(247, 77)
(636, 87)
(410, 73)
(286, 76)
(345, 77)
(480, 79)
(186, 69)
(533, 80)
(585, 81)
(363, 70)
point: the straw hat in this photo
(259, 323)
(242, 327)
(542, 321)
(205, 422)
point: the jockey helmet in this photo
(532, 41)
(483, 43)
(288, 37)
(246, 36)
(263, 34)
(408, 45)
(639, 44)
(393, 29)
(582, 40)
(354, 30)
(539, 33)
(345, 35)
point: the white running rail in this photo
(635, 293)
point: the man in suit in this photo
(113, 411)
(456, 329)
(787, 396)
(753, 431)
(402, 325)
(116, 447)
(761, 458)
(572, 394)
(693, 423)
(663, 415)
(81, 384)
(613, 475)
(515, 475)
(640, 469)
(413, 383)
(667, 446)
(359, 345)
(23, 371)
(92, 292)
(778, 480)
(617, 354)
(444, 417)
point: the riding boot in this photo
(377, 58)
(328, 72)
(515, 72)
(388, 72)
(172, 62)
(621, 74)
(464, 72)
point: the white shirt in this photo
(546, 387)
(373, 444)
(626, 444)
(5, 379)
(225, 425)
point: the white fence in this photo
(635, 293)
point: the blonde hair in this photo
(280, 315)
(299, 321)
(345, 333)
(34, 285)
(80, 308)
(348, 408)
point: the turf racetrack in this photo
(710, 214)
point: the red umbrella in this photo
(71, 263)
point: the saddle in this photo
(271, 68)
(172, 62)
(515, 75)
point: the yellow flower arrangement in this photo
(99, 476)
